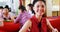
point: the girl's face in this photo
(1, 10)
(39, 8)
(28, 8)
(20, 11)
(5, 11)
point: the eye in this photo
(38, 6)
(42, 6)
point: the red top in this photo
(38, 26)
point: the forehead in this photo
(39, 3)
(5, 9)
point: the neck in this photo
(38, 17)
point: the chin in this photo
(40, 15)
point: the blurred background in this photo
(52, 6)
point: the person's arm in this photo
(17, 19)
(1, 22)
(25, 26)
(50, 26)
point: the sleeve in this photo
(28, 15)
(17, 19)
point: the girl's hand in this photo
(54, 30)
(1, 22)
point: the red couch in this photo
(10, 27)
(55, 22)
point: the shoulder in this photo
(33, 19)
(28, 22)
(44, 19)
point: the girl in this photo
(37, 23)
(6, 15)
(30, 9)
(23, 16)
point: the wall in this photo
(49, 7)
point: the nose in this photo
(40, 8)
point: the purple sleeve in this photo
(28, 15)
(17, 19)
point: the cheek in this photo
(20, 11)
(3, 12)
(36, 10)
(7, 11)
(43, 10)
(0, 10)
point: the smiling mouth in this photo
(41, 14)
